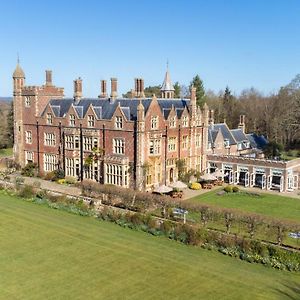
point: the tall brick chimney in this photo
(77, 89)
(103, 93)
(48, 77)
(114, 87)
(242, 124)
(211, 117)
(139, 87)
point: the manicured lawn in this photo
(266, 204)
(6, 152)
(50, 254)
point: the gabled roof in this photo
(105, 108)
(225, 132)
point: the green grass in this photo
(6, 152)
(267, 204)
(50, 254)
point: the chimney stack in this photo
(193, 94)
(114, 87)
(211, 117)
(48, 77)
(77, 89)
(139, 88)
(242, 124)
(103, 93)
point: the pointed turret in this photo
(167, 88)
(18, 78)
(18, 73)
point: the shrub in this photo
(50, 176)
(228, 189)
(61, 181)
(70, 180)
(29, 170)
(195, 186)
(59, 174)
(235, 189)
(26, 192)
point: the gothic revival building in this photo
(130, 142)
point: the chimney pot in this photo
(48, 77)
(114, 87)
(103, 93)
(78, 89)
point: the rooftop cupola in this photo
(167, 88)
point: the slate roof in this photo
(239, 135)
(257, 141)
(105, 108)
(227, 135)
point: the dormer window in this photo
(91, 121)
(185, 121)
(72, 120)
(119, 122)
(27, 101)
(49, 119)
(226, 143)
(172, 122)
(247, 144)
(154, 122)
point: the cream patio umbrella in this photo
(162, 189)
(178, 185)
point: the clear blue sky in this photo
(231, 42)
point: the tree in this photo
(273, 150)
(148, 91)
(200, 92)
(177, 90)
(228, 107)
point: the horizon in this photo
(240, 45)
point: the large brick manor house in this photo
(130, 142)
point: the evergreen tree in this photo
(177, 90)
(200, 92)
(228, 106)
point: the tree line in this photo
(276, 116)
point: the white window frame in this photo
(185, 142)
(72, 120)
(88, 143)
(118, 122)
(154, 146)
(154, 122)
(27, 101)
(172, 122)
(49, 139)
(118, 146)
(50, 162)
(28, 136)
(29, 156)
(185, 121)
(91, 121)
(172, 144)
(49, 119)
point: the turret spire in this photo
(167, 88)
